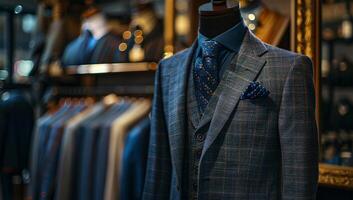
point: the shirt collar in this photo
(227, 38)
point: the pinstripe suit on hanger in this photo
(262, 148)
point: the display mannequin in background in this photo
(96, 44)
(97, 24)
(146, 42)
(232, 118)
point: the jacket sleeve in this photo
(298, 133)
(158, 174)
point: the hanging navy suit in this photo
(134, 162)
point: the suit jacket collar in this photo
(244, 69)
(227, 38)
(247, 50)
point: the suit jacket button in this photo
(200, 137)
(196, 169)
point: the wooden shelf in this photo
(111, 68)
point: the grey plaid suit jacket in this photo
(265, 148)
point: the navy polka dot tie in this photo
(205, 73)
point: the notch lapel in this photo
(177, 109)
(244, 69)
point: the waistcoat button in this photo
(194, 186)
(200, 137)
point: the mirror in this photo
(336, 110)
(337, 83)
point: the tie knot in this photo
(209, 48)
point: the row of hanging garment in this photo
(87, 150)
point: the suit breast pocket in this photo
(258, 116)
(264, 104)
(253, 130)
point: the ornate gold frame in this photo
(305, 36)
(169, 10)
(306, 39)
(334, 176)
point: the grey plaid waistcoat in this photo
(254, 149)
(194, 144)
(195, 137)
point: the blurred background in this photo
(59, 52)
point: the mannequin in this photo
(96, 23)
(232, 147)
(218, 16)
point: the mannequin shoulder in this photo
(176, 58)
(176, 61)
(284, 58)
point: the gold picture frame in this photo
(306, 39)
(336, 176)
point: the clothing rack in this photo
(91, 160)
(103, 91)
(96, 81)
(111, 68)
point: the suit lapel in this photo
(177, 109)
(244, 69)
(209, 112)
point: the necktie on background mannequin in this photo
(205, 73)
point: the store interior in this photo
(54, 53)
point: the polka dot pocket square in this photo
(253, 91)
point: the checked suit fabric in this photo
(264, 148)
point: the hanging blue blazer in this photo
(134, 162)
